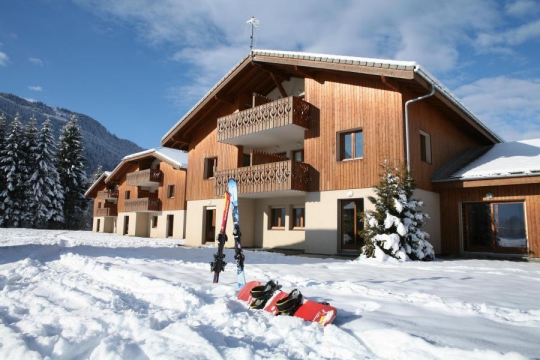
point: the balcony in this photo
(107, 195)
(148, 177)
(288, 177)
(142, 205)
(285, 119)
(110, 211)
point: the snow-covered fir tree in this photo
(394, 227)
(71, 168)
(28, 167)
(13, 205)
(3, 125)
(46, 198)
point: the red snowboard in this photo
(309, 310)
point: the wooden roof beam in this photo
(388, 83)
(308, 74)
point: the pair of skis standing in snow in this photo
(257, 294)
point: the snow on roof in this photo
(176, 157)
(511, 159)
(350, 60)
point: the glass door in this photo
(351, 224)
(494, 227)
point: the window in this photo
(127, 194)
(246, 160)
(170, 191)
(154, 221)
(277, 218)
(425, 147)
(210, 167)
(351, 145)
(298, 217)
(298, 155)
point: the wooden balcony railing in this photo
(286, 111)
(110, 211)
(107, 194)
(277, 176)
(142, 205)
(144, 177)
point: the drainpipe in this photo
(407, 142)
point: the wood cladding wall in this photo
(345, 102)
(204, 145)
(123, 187)
(176, 177)
(451, 200)
(447, 140)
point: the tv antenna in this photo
(254, 23)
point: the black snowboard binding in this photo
(289, 305)
(261, 294)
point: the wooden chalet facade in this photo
(305, 135)
(143, 196)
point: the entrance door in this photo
(494, 227)
(126, 225)
(210, 225)
(351, 223)
(98, 225)
(170, 225)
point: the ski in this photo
(238, 253)
(218, 265)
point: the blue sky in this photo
(137, 66)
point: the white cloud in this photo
(509, 106)
(36, 61)
(4, 59)
(35, 88)
(502, 41)
(523, 8)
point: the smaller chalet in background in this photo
(143, 196)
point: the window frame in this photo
(302, 226)
(425, 147)
(210, 167)
(341, 145)
(127, 194)
(282, 222)
(171, 188)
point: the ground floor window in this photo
(277, 218)
(298, 217)
(494, 227)
(352, 223)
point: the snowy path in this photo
(76, 295)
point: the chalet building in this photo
(143, 196)
(305, 135)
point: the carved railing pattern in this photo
(110, 211)
(143, 176)
(283, 175)
(107, 194)
(143, 204)
(286, 111)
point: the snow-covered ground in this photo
(77, 295)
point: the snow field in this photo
(80, 295)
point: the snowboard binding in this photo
(261, 294)
(290, 304)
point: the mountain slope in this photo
(100, 146)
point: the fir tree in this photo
(28, 167)
(47, 196)
(394, 227)
(71, 168)
(13, 195)
(3, 126)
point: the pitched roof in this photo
(345, 63)
(511, 159)
(94, 186)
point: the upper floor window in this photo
(127, 194)
(170, 191)
(210, 167)
(425, 147)
(351, 145)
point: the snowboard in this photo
(238, 253)
(309, 310)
